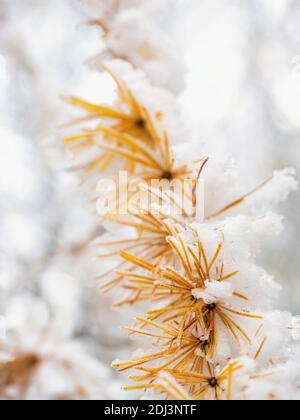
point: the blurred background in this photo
(242, 96)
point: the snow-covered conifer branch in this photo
(206, 304)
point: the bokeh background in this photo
(242, 97)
